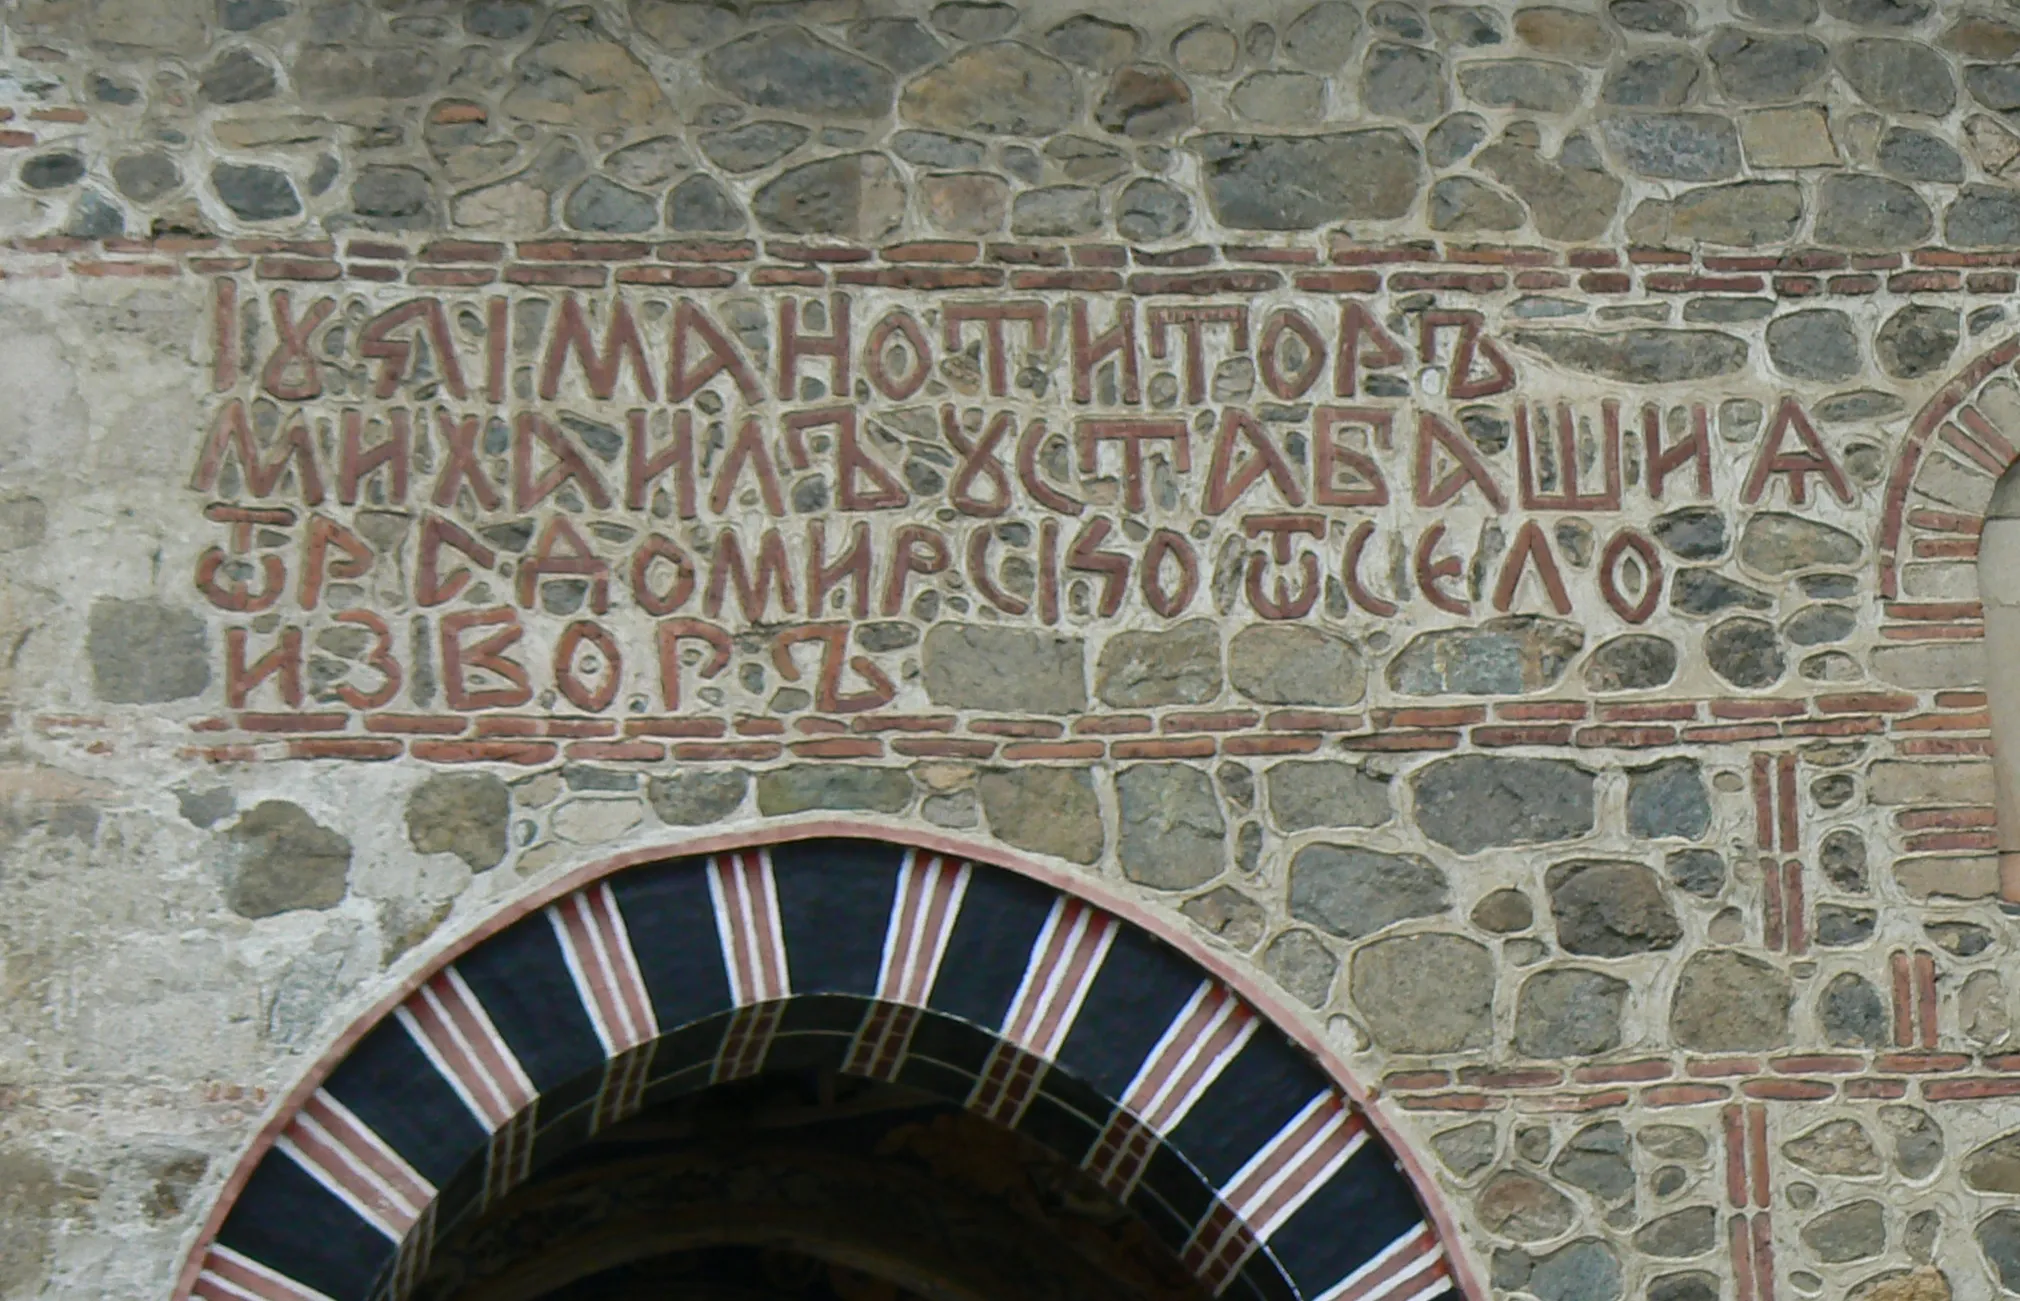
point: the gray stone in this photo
(787, 70)
(146, 176)
(1352, 893)
(1843, 860)
(1000, 89)
(1056, 210)
(1502, 657)
(1290, 664)
(1302, 964)
(1094, 42)
(1918, 340)
(1584, 1269)
(1228, 913)
(1745, 214)
(1504, 912)
(1640, 356)
(700, 203)
(935, 149)
(1468, 26)
(1998, 1237)
(1878, 13)
(1819, 344)
(1569, 1012)
(901, 44)
(1898, 76)
(1761, 68)
(756, 145)
(146, 653)
(1674, 1142)
(1172, 833)
(1429, 993)
(1995, 85)
(1994, 1167)
(1454, 138)
(1983, 216)
(1652, 79)
(1691, 1231)
(1854, 1232)
(1746, 653)
(468, 815)
(1918, 1141)
(974, 22)
(1699, 872)
(1817, 625)
(1959, 939)
(237, 77)
(1462, 203)
(1836, 1147)
(1911, 155)
(602, 205)
(1730, 1002)
(1676, 146)
(1564, 33)
(577, 75)
(1571, 197)
(1467, 1149)
(1145, 103)
(1399, 19)
(394, 198)
(1523, 1207)
(973, 666)
(966, 203)
(1870, 212)
(857, 195)
(1595, 1159)
(94, 216)
(1403, 81)
(1326, 793)
(1089, 162)
(1531, 85)
(1178, 666)
(255, 192)
(1634, 662)
(1206, 47)
(282, 860)
(1044, 810)
(1668, 799)
(803, 786)
(1473, 802)
(1693, 533)
(1661, 17)
(696, 797)
(1981, 36)
(1609, 909)
(1320, 38)
(500, 20)
(1774, 543)
(1300, 182)
(1149, 210)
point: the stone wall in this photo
(1471, 510)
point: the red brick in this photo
(1833, 727)
(1976, 721)
(100, 269)
(1083, 281)
(1488, 1077)
(1546, 734)
(519, 752)
(800, 252)
(1403, 741)
(1955, 1090)
(1665, 257)
(1338, 282)
(1100, 255)
(728, 750)
(1226, 720)
(1946, 819)
(372, 271)
(1853, 285)
(1818, 1064)
(1261, 745)
(1870, 1087)
(1500, 255)
(1626, 737)
(905, 722)
(1950, 841)
(943, 748)
(933, 250)
(574, 276)
(365, 748)
(1264, 253)
(1206, 282)
(536, 725)
(321, 722)
(1543, 711)
(462, 250)
(764, 277)
(583, 250)
(450, 277)
(914, 277)
(417, 724)
(678, 277)
(1113, 724)
(1465, 282)
(1921, 1063)
(1598, 257)
(1757, 708)
(1034, 255)
(1960, 700)
(1788, 1090)
(1681, 712)
(839, 747)
(1165, 748)
(1728, 735)
(749, 725)
(1573, 1102)
(1314, 720)
(1606, 282)
(1450, 1102)
(677, 727)
(371, 248)
(1924, 282)
(1721, 1067)
(1198, 255)
(1798, 286)
(260, 245)
(708, 250)
(1407, 1080)
(1346, 253)
(1042, 750)
(1541, 280)
(11, 139)
(813, 725)
(1017, 727)
(73, 116)
(1455, 716)
(1655, 1068)
(628, 751)
(1926, 746)
(294, 268)
(1866, 702)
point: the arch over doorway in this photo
(1004, 988)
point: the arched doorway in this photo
(918, 979)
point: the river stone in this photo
(696, 797)
(468, 815)
(145, 652)
(804, 786)
(1352, 893)
(1878, 13)
(1044, 810)
(1149, 210)
(1403, 81)
(1145, 103)
(1994, 1167)
(1854, 1232)
(1693, 533)
(1745, 214)
(1172, 833)
(1980, 36)
(1454, 138)
(1610, 909)
(1531, 85)
(1676, 146)
(1983, 216)
(254, 192)
(1652, 79)
(1290, 664)
(1326, 793)
(578, 77)
(1502, 657)
(787, 70)
(1005, 670)
(1635, 662)
(1207, 48)
(1564, 33)
(1053, 211)
(935, 149)
(602, 205)
(1595, 1159)
(1730, 1002)
(1852, 1014)
(1467, 1149)
(700, 203)
(1094, 42)
(756, 145)
(1706, 591)
(857, 195)
(901, 44)
(1427, 993)
(282, 859)
(1762, 68)
(1003, 89)
(1473, 802)
(1918, 1140)
(237, 77)
(1668, 799)
(1746, 653)
(1320, 38)
(1870, 212)
(1229, 914)
(1504, 912)
(403, 198)
(146, 176)
(1819, 344)
(1679, 1235)
(1276, 98)
(1918, 340)
(1523, 1207)
(1299, 182)
(1898, 76)
(1302, 964)
(1584, 1269)
(1570, 198)
(1569, 1012)
(1818, 625)
(1774, 543)
(1467, 26)
(1640, 356)
(1999, 1238)
(1699, 872)
(974, 21)
(1178, 666)
(1836, 1147)
(1660, 17)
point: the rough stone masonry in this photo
(1471, 509)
